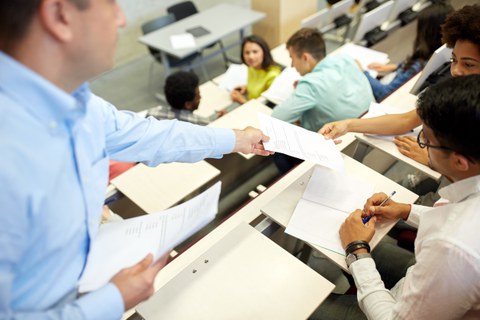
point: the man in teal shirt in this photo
(332, 88)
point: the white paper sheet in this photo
(300, 143)
(282, 86)
(377, 110)
(329, 198)
(122, 244)
(182, 41)
(235, 76)
(364, 55)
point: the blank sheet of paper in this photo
(282, 86)
(182, 41)
(329, 198)
(235, 76)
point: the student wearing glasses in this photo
(461, 32)
(444, 282)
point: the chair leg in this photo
(150, 77)
(224, 54)
(204, 71)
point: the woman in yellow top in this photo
(261, 69)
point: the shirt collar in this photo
(38, 96)
(461, 190)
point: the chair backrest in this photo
(182, 10)
(156, 24)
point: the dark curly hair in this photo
(180, 88)
(463, 24)
(451, 108)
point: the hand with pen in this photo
(360, 224)
(382, 206)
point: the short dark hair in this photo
(180, 88)
(16, 17)
(308, 40)
(451, 108)
(267, 56)
(463, 24)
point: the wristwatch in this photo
(351, 257)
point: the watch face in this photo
(350, 258)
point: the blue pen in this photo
(366, 219)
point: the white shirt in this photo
(445, 281)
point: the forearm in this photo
(387, 124)
(373, 298)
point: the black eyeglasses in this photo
(424, 144)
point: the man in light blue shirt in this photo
(56, 138)
(332, 88)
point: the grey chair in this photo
(185, 9)
(184, 63)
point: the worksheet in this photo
(300, 143)
(122, 244)
(329, 198)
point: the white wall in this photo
(140, 11)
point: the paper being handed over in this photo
(300, 143)
(122, 244)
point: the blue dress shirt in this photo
(54, 151)
(381, 91)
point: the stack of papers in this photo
(282, 86)
(327, 201)
(122, 244)
(182, 41)
(300, 143)
(377, 110)
(364, 56)
(235, 76)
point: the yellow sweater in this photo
(260, 80)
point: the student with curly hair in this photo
(183, 95)
(461, 32)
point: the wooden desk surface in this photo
(214, 99)
(159, 188)
(244, 275)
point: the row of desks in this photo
(225, 245)
(234, 271)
